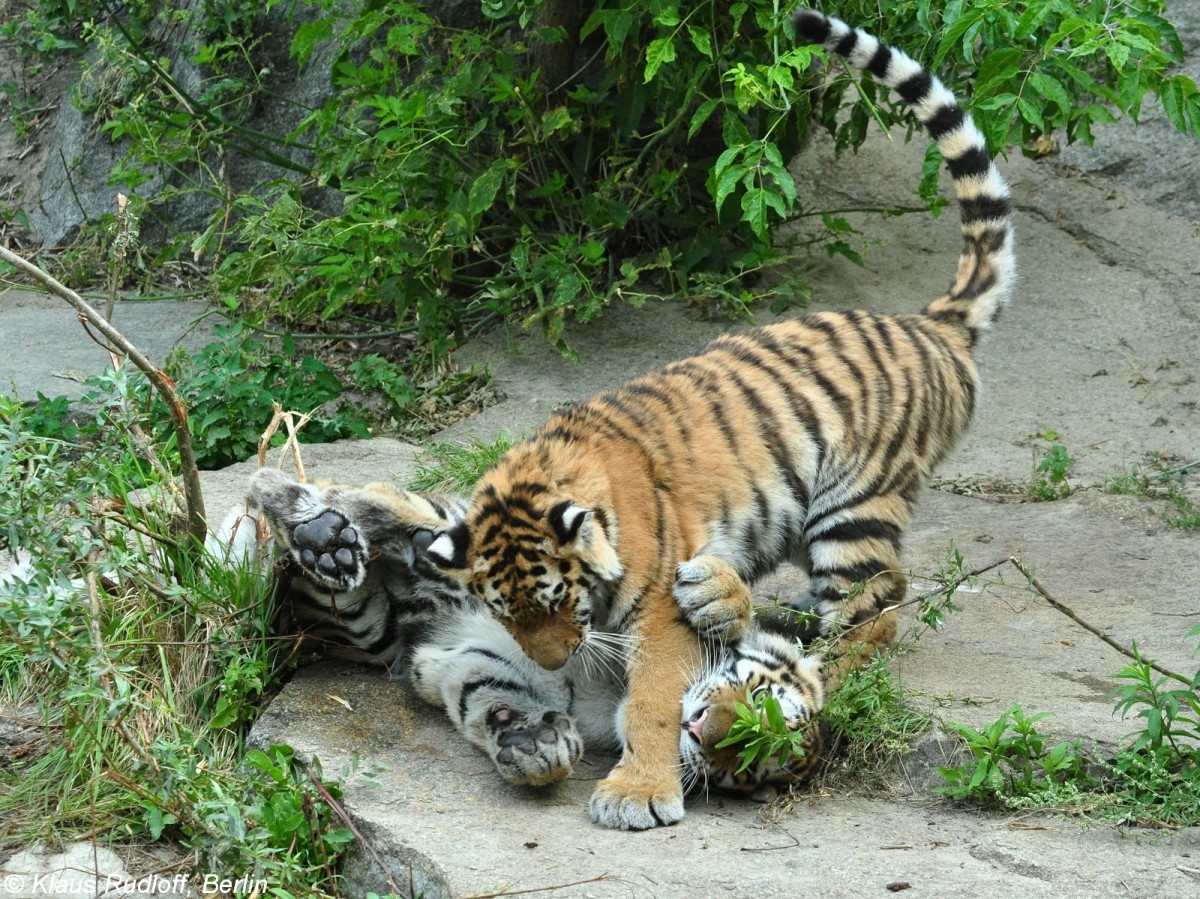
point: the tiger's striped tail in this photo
(986, 268)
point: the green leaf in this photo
(954, 27)
(1031, 19)
(1050, 88)
(555, 120)
(484, 188)
(226, 714)
(774, 713)
(1118, 55)
(155, 822)
(701, 115)
(755, 205)
(702, 40)
(1181, 103)
(998, 67)
(308, 35)
(667, 16)
(1031, 113)
(660, 52)
(726, 175)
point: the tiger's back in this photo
(805, 440)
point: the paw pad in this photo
(328, 547)
(533, 749)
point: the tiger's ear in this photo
(568, 521)
(449, 551)
(580, 533)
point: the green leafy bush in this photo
(1050, 476)
(229, 387)
(145, 662)
(482, 183)
(1011, 759)
(1155, 478)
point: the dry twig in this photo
(1066, 610)
(349, 822)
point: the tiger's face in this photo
(541, 567)
(710, 708)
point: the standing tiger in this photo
(805, 440)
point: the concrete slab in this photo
(43, 347)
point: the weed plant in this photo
(455, 467)
(143, 660)
(1050, 476)
(1154, 778)
(1156, 478)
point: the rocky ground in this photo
(1099, 346)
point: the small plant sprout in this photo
(1050, 476)
(1154, 778)
(1157, 478)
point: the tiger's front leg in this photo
(644, 789)
(516, 713)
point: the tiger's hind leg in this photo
(855, 581)
(859, 616)
(514, 711)
(322, 540)
(714, 599)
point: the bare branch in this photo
(189, 470)
(1066, 610)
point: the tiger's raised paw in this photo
(621, 805)
(330, 550)
(713, 598)
(533, 749)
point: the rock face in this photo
(68, 183)
(75, 187)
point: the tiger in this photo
(356, 583)
(806, 440)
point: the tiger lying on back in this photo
(360, 584)
(804, 441)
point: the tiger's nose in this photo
(695, 725)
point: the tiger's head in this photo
(541, 563)
(764, 663)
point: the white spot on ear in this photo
(571, 523)
(442, 551)
(572, 517)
